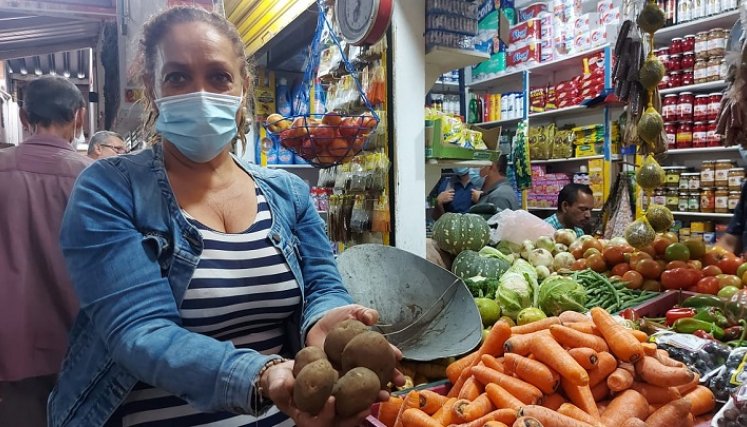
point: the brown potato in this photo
(339, 337)
(306, 356)
(355, 391)
(314, 385)
(370, 350)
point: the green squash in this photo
(455, 232)
(470, 264)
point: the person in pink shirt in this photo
(37, 301)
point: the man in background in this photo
(106, 144)
(496, 190)
(453, 193)
(575, 202)
(37, 301)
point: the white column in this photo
(408, 59)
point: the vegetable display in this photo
(517, 288)
(561, 293)
(455, 232)
(488, 262)
(611, 295)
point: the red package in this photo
(525, 32)
(532, 11)
(565, 86)
(523, 55)
(592, 82)
(596, 62)
(567, 103)
(537, 100)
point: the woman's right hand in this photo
(278, 381)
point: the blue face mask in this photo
(199, 124)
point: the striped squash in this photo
(455, 232)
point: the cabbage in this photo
(517, 288)
(560, 293)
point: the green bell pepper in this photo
(712, 315)
(688, 326)
(701, 301)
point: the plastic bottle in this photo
(282, 98)
(472, 113)
(480, 109)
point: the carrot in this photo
(641, 336)
(577, 413)
(389, 410)
(535, 326)
(627, 366)
(414, 417)
(430, 401)
(494, 424)
(653, 372)
(549, 352)
(649, 348)
(585, 327)
(493, 362)
(445, 415)
(572, 338)
(550, 418)
(501, 398)
(655, 394)
(701, 399)
(633, 422)
(687, 388)
(519, 344)
(467, 411)
(495, 339)
(600, 391)
(628, 404)
(606, 365)
(585, 356)
(581, 396)
(553, 401)
(520, 389)
(412, 400)
(505, 416)
(527, 422)
(690, 422)
(457, 387)
(531, 371)
(665, 360)
(573, 317)
(621, 341)
(455, 368)
(671, 414)
(619, 380)
(471, 389)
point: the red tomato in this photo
(648, 268)
(633, 278)
(596, 262)
(579, 264)
(614, 255)
(676, 264)
(621, 268)
(712, 270)
(729, 264)
(636, 257)
(679, 278)
(707, 285)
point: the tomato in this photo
(596, 262)
(730, 264)
(677, 252)
(660, 245)
(712, 270)
(591, 242)
(707, 285)
(695, 264)
(636, 257)
(614, 255)
(620, 269)
(579, 264)
(633, 278)
(651, 285)
(678, 278)
(591, 251)
(714, 255)
(725, 280)
(676, 264)
(648, 268)
(649, 250)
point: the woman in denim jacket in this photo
(159, 246)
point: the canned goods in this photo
(697, 226)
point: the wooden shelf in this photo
(700, 87)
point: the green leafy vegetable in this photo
(517, 288)
(560, 293)
(481, 287)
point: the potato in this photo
(306, 356)
(339, 337)
(355, 391)
(313, 386)
(370, 350)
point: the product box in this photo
(523, 55)
(547, 29)
(533, 10)
(585, 22)
(604, 5)
(264, 93)
(547, 50)
(524, 33)
(582, 42)
(566, 10)
(610, 16)
(599, 36)
(537, 100)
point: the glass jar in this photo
(700, 107)
(684, 11)
(716, 42)
(699, 135)
(669, 107)
(693, 201)
(683, 201)
(675, 78)
(675, 62)
(701, 45)
(659, 197)
(699, 7)
(685, 103)
(721, 200)
(714, 105)
(684, 184)
(672, 176)
(684, 137)
(673, 199)
(714, 139)
(736, 177)
(675, 47)
(733, 200)
(670, 128)
(688, 44)
(688, 77)
(688, 61)
(693, 181)
(700, 73)
(721, 172)
(707, 200)
(723, 70)
(713, 72)
(707, 173)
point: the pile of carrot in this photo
(564, 371)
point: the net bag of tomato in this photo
(330, 138)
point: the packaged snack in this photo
(537, 100)
(524, 55)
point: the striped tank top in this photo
(242, 291)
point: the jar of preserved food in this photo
(688, 77)
(707, 173)
(682, 201)
(675, 62)
(684, 137)
(675, 47)
(688, 43)
(713, 72)
(687, 62)
(685, 103)
(693, 201)
(723, 70)
(733, 200)
(699, 135)
(685, 181)
(700, 73)
(701, 45)
(721, 200)
(670, 128)
(659, 197)
(713, 7)
(736, 177)
(669, 107)
(707, 200)
(728, 5)
(716, 42)
(700, 107)
(684, 11)
(673, 199)
(675, 78)
(671, 179)
(721, 172)
(714, 139)
(714, 105)
(699, 9)
(694, 181)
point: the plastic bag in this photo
(517, 226)
(731, 375)
(701, 355)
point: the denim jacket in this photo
(131, 253)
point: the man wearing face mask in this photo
(37, 301)
(454, 193)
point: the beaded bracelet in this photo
(268, 365)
